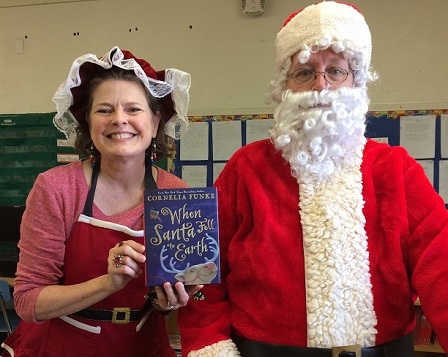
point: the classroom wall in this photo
(229, 55)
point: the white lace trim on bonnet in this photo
(177, 82)
(180, 81)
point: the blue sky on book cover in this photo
(182, 236)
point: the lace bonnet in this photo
(328, 24)
(171, 85)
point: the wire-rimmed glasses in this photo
(333, 75)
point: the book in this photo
(181, 236)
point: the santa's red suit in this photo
(262, 296)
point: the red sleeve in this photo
(206, 322)
(46, 223)
(404, 208)
(428, 249)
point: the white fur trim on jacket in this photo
(224, 348)
(338, 289)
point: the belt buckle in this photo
(117, 315)
(346, 351)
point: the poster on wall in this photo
(444, 136)
(418, 135)
(443, 180)
(258, 129)
(195, 175)
(226, 138)
(194, 143)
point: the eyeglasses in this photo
(333, 75)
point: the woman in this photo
(326, 237)
(80, 286)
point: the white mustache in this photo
(324, 98)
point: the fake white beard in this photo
(322, 136)
(317, 131)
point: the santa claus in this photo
(325, 241)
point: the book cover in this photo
(181, 236)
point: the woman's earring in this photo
(92, 156)
(153, 154)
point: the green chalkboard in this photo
(28, 146)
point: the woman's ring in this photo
(117, 260)
(171, 306)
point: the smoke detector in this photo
(253, 7)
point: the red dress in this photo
(86, 253)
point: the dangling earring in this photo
(91, 156)
(153, 155)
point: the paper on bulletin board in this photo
(417, 135)
(443, 180)
(195, 175)
(428, 167)
(258, 129)
(383, 139)
(227, 139)
(194, 143)
(217, 168)
(444, 136)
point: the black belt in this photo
(119, 315)
(401, 347)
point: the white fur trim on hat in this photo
(224, 348)
(324, 25)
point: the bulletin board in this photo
(28, 146)
(210, 141)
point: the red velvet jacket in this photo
(262, 296)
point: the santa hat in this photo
(328, 24)
(170, 85)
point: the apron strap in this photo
(87, 211)
(88, 206)
(149, 179)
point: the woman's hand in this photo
(168, 297)
(124, 262)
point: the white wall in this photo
(229, 55)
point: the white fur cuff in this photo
(224, 348)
